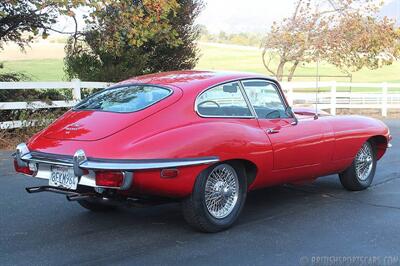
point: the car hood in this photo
(89, 125)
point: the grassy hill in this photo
(213, 57)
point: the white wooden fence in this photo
(329, 96)
(381, 96)
(75, 85)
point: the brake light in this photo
(109, 178)
(22, 169)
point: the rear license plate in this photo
(63, 177)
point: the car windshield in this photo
(124, 99)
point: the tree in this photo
(345, 33)
(185, 54)
(21, 20)
(358, 42)
(126, 38)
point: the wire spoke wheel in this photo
(360, 174)
(364, 162)
(221, 191)
(218, 196)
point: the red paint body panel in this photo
(94, 125)
(172, 129)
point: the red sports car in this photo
(204, 138)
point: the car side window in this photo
(224, 100)
(265, 98)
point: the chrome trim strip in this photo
(22, 150)
(123, 164)
(78, 159)
(128, 180)
(246, 98)
(28, 157)
(145, 165)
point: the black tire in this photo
(351, 180)
(96, 205)
(195, 209)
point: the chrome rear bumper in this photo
(79, 162)
(111, 164)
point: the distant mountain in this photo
(392, 10)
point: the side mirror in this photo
(289, 112)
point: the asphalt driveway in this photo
(314, 224)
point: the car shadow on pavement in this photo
(261, 204)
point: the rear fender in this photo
(226, 140)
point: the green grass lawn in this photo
(215, 58)
(37, 70)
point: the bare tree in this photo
(317, 29)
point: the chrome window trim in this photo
(221, 116)
(277, 88)
(246, 98)
(240, 80)
(171, 91)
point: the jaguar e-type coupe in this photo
(203, 138)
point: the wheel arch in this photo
(250, 168)
(380, 143)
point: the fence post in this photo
(76, 89)
(384, 99)
(333, 98)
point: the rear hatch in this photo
(90, 125)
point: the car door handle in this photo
(272, 131)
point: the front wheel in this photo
(217, 198)
(361, 172)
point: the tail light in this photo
(109, 178)
(23, 169)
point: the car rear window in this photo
(124, 99)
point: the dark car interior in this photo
(262, 112)
(224, 111)
(214, 108)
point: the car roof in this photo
(191, 79)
